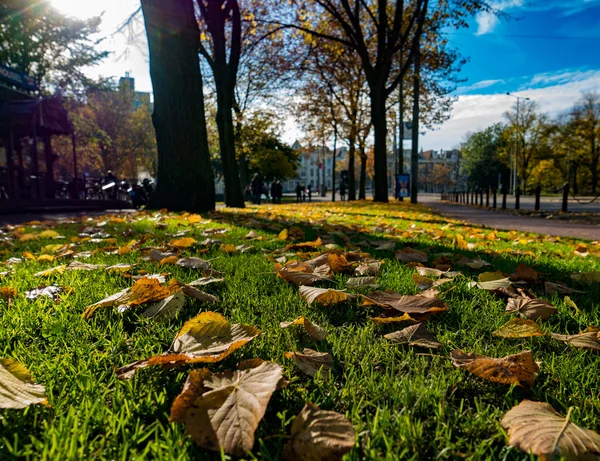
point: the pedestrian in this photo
(298, 193)
(274, 191)
(279, 190)
(343, 191)
(309, 192)
(257, 187)
(303, 193)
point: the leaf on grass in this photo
(252, 235)
(51, 271)
(312, 362)
(531, 308)
(408, 304)
(283, 235)
(49, 234)
(519, 369)
(526, 273)
(409, 255)
(305, 245)
(587, 339)
(8, 293)
(473, 263)
(206, 338)
(200, 295)
(414, 335)
(16, 387)
(314, 330)
(362, 282)
(369, 269)
(324, 296)
(169, 260)
(561, 289)
(537, 428)
(205, 281)
(167, 308)
(297, 277)
(51, 292)
(570, 303)
(427, 271)
(223, 410)
(403, 318)
(157, 255)
(319, 435)
(492, 285)
(193, 263)
(593, 276)
(519, 328)
(118, 268)
(79, 266)
(183, 243)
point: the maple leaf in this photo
(519, 369)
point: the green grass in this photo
(402, 404)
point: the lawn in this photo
(403, 402)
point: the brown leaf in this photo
(372, 268)
(531, 308)
(409, 254)
(406, 303)
(518, 369)
(305, 245)
(587, 339)
(79, 266)
(16, 387)
(560, 288)
(223, 410)
(362, 282)
(476, 263)
(324, 296)
(312, 362)
(537, 428)
(394, 319)
(414, 335)
(206, 338)
(593, 276)
(525, 273)
(314, 330)
(519, 328)
(492, 285)
(319, 435)
(183, 243)
(167, 308)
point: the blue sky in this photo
(547, 50)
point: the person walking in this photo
(303, 188)
(309, 192)
(274, 191)
(343, 191)
(298, 193)
(279, 190)
(257, 187)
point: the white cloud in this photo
(479, 85)
(472, 112)
(488, 20)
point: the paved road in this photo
(552, 204)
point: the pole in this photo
(401, 128)
(516, 180)
(333, 166)
(414, 155)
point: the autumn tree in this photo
(37, 39)
(586, 124)
(379, 32)
(185, 176)
(482, 161)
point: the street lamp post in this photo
(515, 179)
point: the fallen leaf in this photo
(120, 268)
(560, 288)
(314, 330)
(319, 435)
(252, 235)
(28, 238)
(409, 254)
(492, 285)
(312, 362)
(414, 335)
(475, 263)
(593, 276)
(570, 303)
(79, 266)
(51, 292)
(223, 410)
(183, 243)
(8, 293)
(369, 269)
(301, 278)
(531, 308)
(362, 282)
(157, 255)
(45, 258)
(324, 296)
(394, 319)
(206, 338)
(167, 308)
(49, 234)
(193, 263)
(537, 428)
(519, 369)
(51, 271)
(408, 304)
(283, 235)
(304, 246)
(16, 387)
(490, 276)
(587, 339)
(526, 273)
(519, 328)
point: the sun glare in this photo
(78, 8)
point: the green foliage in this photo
(37, 39)
(482, 162)
(273, 159)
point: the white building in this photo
(313, 162)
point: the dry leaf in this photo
(570, 303)
(16, 387)
(120, 268)
(475, 263)
(402, 318)
(536, 428)
(51, 271)
(296, 233)
(369, 269)
(409, 255)
(223, 410)
(167, 308)
(526, 273)
(414, 335)
(300, 278)
(312, 362)
(305, 245)
(283, 235)
(519, 328)
(314, 330)
(193, 263)
(169, 260)
(79, 266)
(531, 308)
(206, 338)
(587, 339)
(362, 282)
(593, 276)
(408, 304)
(51, 292)
(492, 285)
(183, 243)
(319, 435)
(519, 369)
(560, 288)
(324, 296)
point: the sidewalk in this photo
(508, 221)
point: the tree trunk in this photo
(231, 177)
(362, 193)
(351, 177)
(185, 176)
(379, 122)
(333, 164)
(414, 155)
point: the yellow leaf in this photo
(183, 243)
(49, 234)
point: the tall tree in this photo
(378, 31)
(586, 121)
(185, 176)
(482, 158)
(221, 21)
(37, 39)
